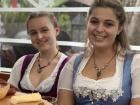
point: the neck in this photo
(103, 60)
(49, 61)
(102, 57)
(104, 53)
(48, 54)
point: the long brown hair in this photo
(118, 9)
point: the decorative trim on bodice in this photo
(97, 94)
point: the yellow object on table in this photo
(25, 98)
(4, 88)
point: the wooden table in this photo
(4, 75)
(6, 101)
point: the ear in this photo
(57, 31)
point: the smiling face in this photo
(102, 27)
(42, 33)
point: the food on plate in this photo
(32, 97)
(4, 88)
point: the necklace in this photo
(40, 68)
(100, 69)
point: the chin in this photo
(43, 49)
(101, 45)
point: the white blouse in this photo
(44, 86)
(105, 84)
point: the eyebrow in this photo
(44, 27)
(108, 20)
(29, 31)
(39, 28)
(93, 18)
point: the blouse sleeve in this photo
(66, 76)
(15, 73)
(135, 70)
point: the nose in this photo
(39, 35)
(100, 27)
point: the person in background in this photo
(108, 72)
(63, 36)
(40, 72)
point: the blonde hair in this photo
(50, 16)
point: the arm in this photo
(135, 101)
(65, 85)
(15, 73)
(65, 97)
(135, 74)
(12, 90)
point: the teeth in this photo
(99, 37)
(41, 43)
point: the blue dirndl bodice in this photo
(126, 87)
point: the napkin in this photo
(25, 98)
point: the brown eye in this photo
(44, 30)
(107, 24)
(94, 22)
(32, 33)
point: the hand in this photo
(12, 89)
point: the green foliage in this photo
(59, 2)
(5, 3)
(25, 3)
(11, 17)
(64, 20)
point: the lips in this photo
(41, 42)
(99, 37)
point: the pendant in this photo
(98, 73)
(39, 70)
